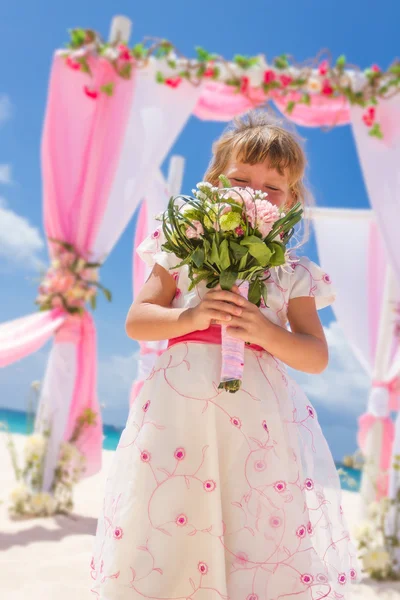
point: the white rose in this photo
(20, 493)
(376, 560)
(363, 530)
(111, 53)
(314, 85)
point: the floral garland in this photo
(28, 499)
(323, 77)
(70, 282)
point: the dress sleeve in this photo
(151, 252)
(308, 279)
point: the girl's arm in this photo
(151, 317)
(303, 348)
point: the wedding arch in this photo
(112, 116)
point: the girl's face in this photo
(261, 177)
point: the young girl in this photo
(227, 496)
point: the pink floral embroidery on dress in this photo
(342, 578)
(242, 558)
(236, 422)
(145, 456)
(180, 453)
(301, 532)
(309, 528)
(280, 486)
(353, 574)
(307, 578)
(311, 411)
(209, 485)
(181, 520)
(309, 484)
(326, 279)
(118, 533)
(203, 568)
(275, 522)
(252, 597)
(146, 406)
(321, 578)
(156, 234)
(260, 465)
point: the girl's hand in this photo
(217, 306)
(251, 325)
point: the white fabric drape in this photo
(158, 115)
(380, 160)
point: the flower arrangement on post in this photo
(229, 236)
(70, 282)
(28, 499)
(378, 537)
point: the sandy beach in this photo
(48, 558)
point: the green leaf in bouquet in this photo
(258, 249)
(238, 251)
(227, 279)
(264, 293)
(278, 255)
(243, 262)
(212, 283)
(201, 275)
(225, 181)
(214, 252)
(225, 261)
(93, 302)
(255, 292)
(198, 257)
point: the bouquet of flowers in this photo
(229, 236)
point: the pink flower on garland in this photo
(124, 53)
(173, 82)
(180, 453)
(323, 68)
(91, 92)
(203, 568)
(375, 69)
(327, 88)
(369, 116)
(269, 76)
(286, 80)
(73, 64)
(244, 84)
(118, 533)
(209, 72)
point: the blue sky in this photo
(29, 33)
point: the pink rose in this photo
(195, 231)
(62, 283)
(266, 214)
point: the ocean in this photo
(17, 422)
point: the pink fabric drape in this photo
(26, 335)
(220, 102)
(365, 422)
(81, 146)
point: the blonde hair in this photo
(258, 136)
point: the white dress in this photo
(215, 495)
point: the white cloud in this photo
(5, 174)
(20, 242)
(116, 375)
(5, 108)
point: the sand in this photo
(48, 558)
